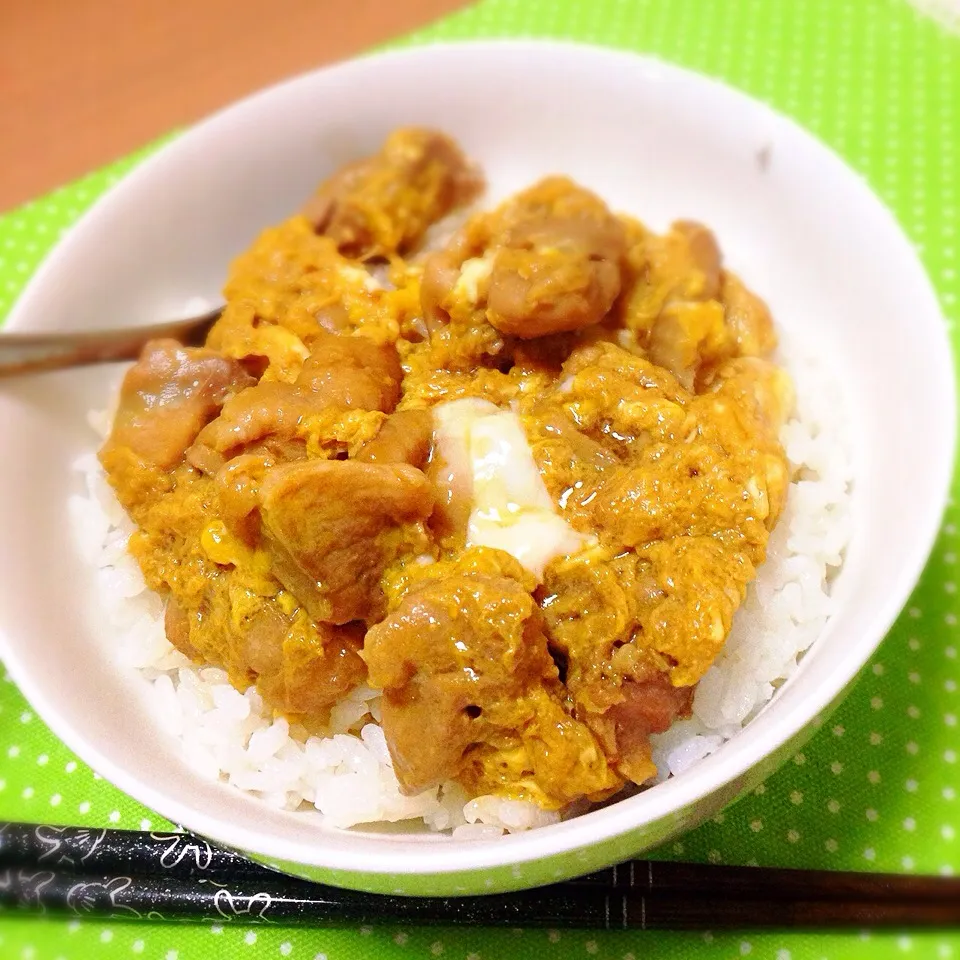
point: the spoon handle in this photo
(33, 352)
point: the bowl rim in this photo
(384, 856)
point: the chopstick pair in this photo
(176, 876)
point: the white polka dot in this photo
(904, 943)
(399, 938)
(833, 806)
(553, 936)
(948, 793)
(106, 936)
(323, 956)
(250, 938)
(950, 756)
(912, 748)
(838, 731)
(42, 760)
(137, 946)
(796, 798)
(71, 766)
(874, 776)
(913, 711)
(800, 759)
(26, 716)
(783, 955)
(947, 832)
(907, 863)
(869, 854)
(745, 948)
(84, 807)
(13, 752)
(913, 677)
(872, 815)
(286, 948)
(911, 786)
(793, 836)
(913, 643)
(877, 669)
(55, 800)
(832, 845)
(591, 947)
(876, 703)
(914, 612)
(27, 793)
(910, 824)
(950, 652)
(145, 824)
(950, 686)
(756, 825)
(171, 955)
(836, 767)
(946, 870)
(876, 739)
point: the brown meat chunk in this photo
(559, 266)
(648, 707)
(176, 625)
(266, 416)
(748, 318)
(168, 396)
(352, 372)
(327, 523)
(703, 254)
(405, 437)
(384, 204)
(302, 671)
(347, 372)
(453, 660)
(238, 495)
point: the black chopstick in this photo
(189, 857)
(298, 902)
(175, 876)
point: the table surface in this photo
(86, 81)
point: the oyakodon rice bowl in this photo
(347, 775)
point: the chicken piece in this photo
(557, 264)
(264, 418)
(688, 338)
(404, 437)
(302, 668)
(747, 317)
(168, 396)
(464, 665)
(352, 372)
(329, 527)
(704, 258)
(647, 708)
(238, 495)
(176, 626)
(384, 204)
(342, 372)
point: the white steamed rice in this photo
(347, 775)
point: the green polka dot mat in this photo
(877, 788)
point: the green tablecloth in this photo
(877, 788)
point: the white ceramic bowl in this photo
(660, 142)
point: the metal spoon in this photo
(33, 352)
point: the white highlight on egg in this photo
(511, 509)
